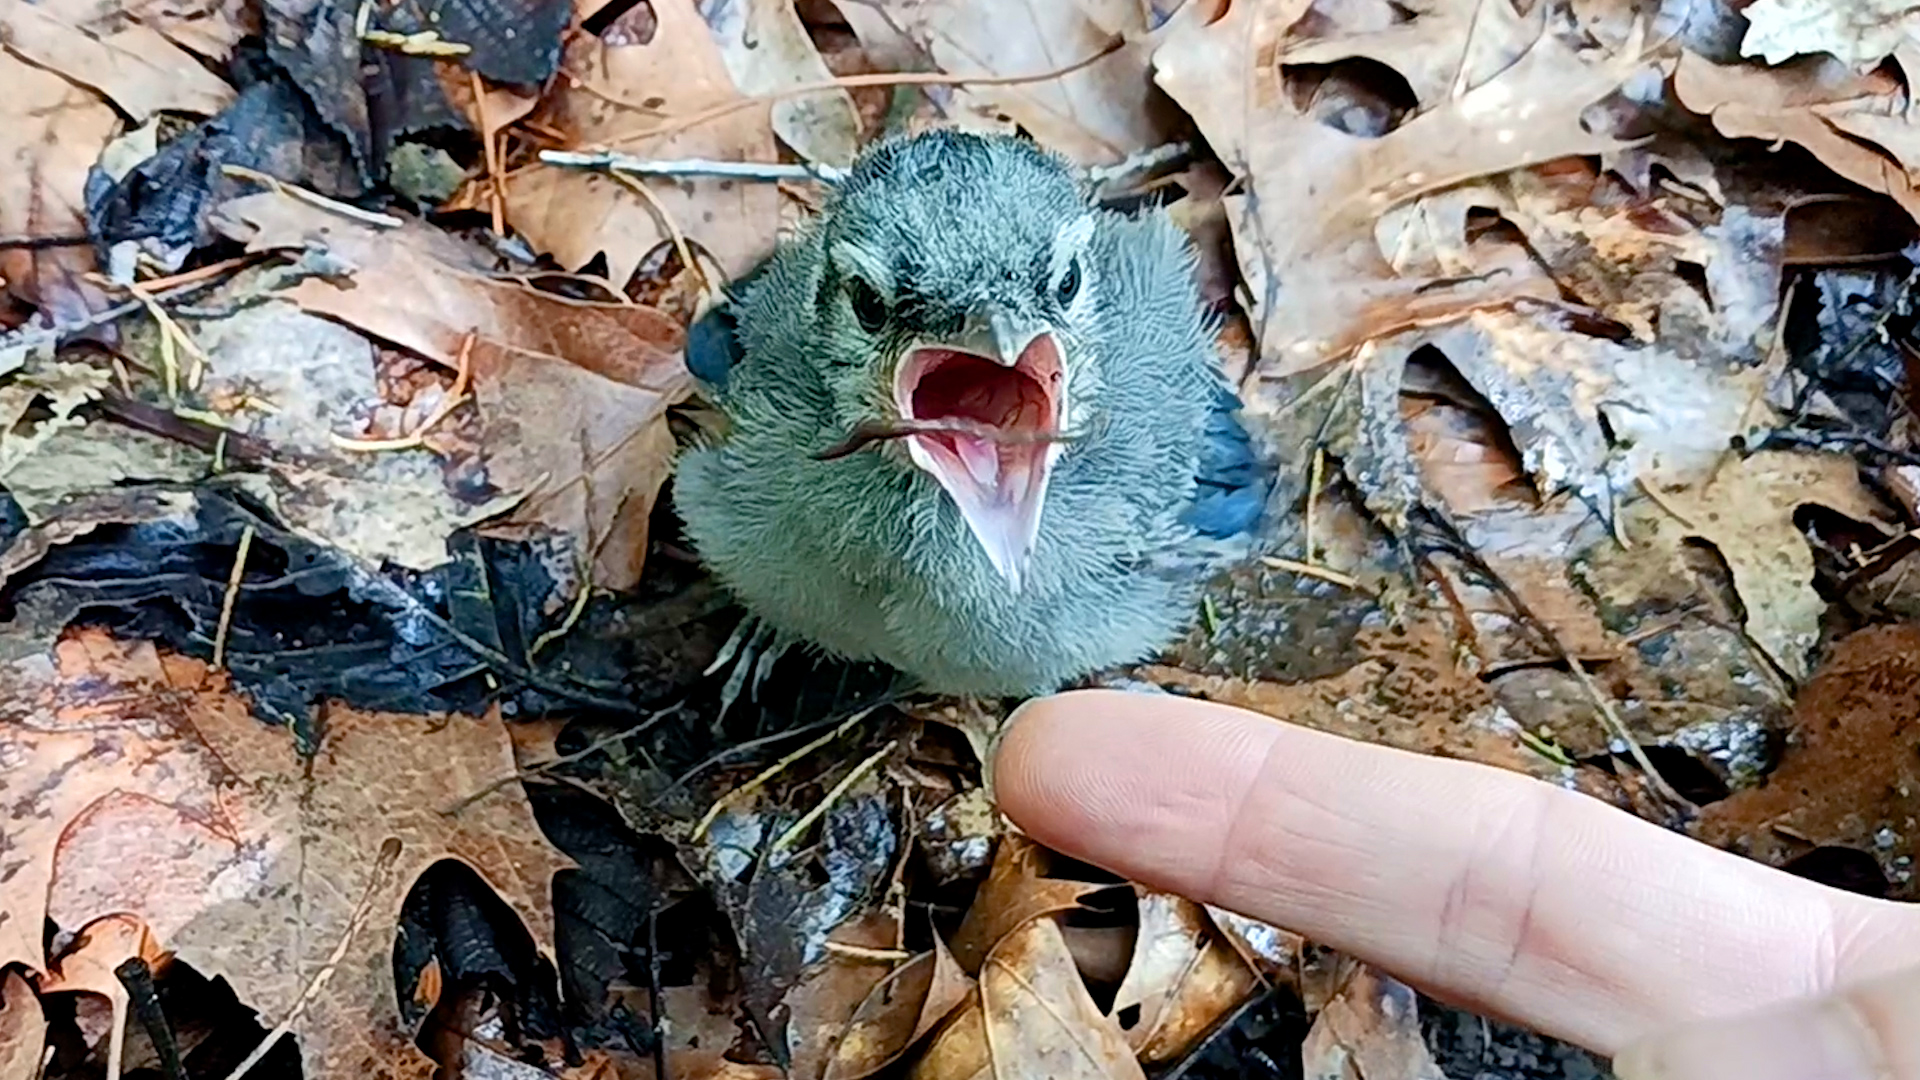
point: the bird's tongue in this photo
(998, 476)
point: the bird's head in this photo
(957, 305)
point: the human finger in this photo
(1865, 1032)
(1481, 885)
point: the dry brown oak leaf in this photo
(1304, 228)
(137, 781)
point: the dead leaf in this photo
(1269, 950)
(1370, 1029)
(130, 62)
(50, 133)
(1182, 980)
(1096, 115)
(1304, 231)
(1031, 1016)
(1856, 125)
(1747, 514)
(767, 50)
(1860, 33)
(913, 999)
(573, 395)
(23, 1028)
(1013, 893)
(88, 966)
(176, 805)
(610, 94)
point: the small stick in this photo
(874, 431)
(490, 156)
(792, 835)
(1345, 581)
(382, 866)
(619, 164)
(233, 594)
(778, 767)
(313, 198)
(137, 977)
(849, 82)
(1314, 480)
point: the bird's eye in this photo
(868, 307)
(1069, 286)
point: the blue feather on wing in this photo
(1233, 485)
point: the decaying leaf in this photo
(1182, 980)
(23, 1028)
(130, 62)
(767, 50)
(1857, 125)
(1747, 514)
(1032, 1016)
(1860, 32)
(51, 131)
(910, 1002)
(1304, 232)
(573, 395)
(1370, 1028)
(615, 92)
(176, 805)
(1098, 114)
(1013, 893)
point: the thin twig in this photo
(489, 155)
(574, 612)
(672, 228)
(590, 749)
(623, 164)
(799, 828)
(171, 331)
(778, 767)
(382, 866)
(849, 82)
(313, 198)
(233, 594)
(1291, 566)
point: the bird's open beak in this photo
(1006, 376)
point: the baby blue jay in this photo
(976, 427)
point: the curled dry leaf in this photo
(573, 395)
(1013, 893)
(23, 1028)
(1031, 1016)
(134, 64)
(1182, 980)
(1857, 125)
(611, 94)
(913, 999)
(1370, 1028)
(1096, 115)
(176, 805)
(51, 131)
(1304, 230)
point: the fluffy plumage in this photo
(868, 556)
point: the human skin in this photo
(1483, 887)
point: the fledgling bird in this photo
(976, 427)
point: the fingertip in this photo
(1142, 784)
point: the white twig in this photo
(770, 172)
(732, 170)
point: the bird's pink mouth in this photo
(994, 456)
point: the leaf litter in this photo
(1580, 340)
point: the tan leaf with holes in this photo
(175, 805)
